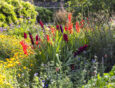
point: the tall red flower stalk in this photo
(53, 31)
(80, 50)
(57, 27)
(69, 17)
(25, 35)
(77, 27)
(41, 23)
(82, 24)
(37, 37)
(48, 38)
(66, 28)
(70, 24)
(32, 40)
(65, 37)
(70, 27)
(24, 47)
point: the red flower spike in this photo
(69, 17)
(24, 47)
(48, 38)
(32, 40)
(65, 37)
(41, 23)
(25, 35)
(70, 27)
(57, 27)
(53, 31)
(37, 42)
(80, 50)
(39, 39)
(36, 37)
(66, 28)
(77, 27)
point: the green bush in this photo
(45, 15)
(106, 81)
(15, 11)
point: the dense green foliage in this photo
(90, 6)
(106, 81)
(15, 11)
(45, 14)
(74, 53)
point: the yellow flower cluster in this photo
(11, 47)
(2, 78)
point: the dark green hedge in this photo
(44, 14)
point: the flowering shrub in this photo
(10, 46)
(54, 56)
(15, 65)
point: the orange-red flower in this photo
(77, 27)
(25, 46)
(66, 28)
(70, 27)
(53, 31)
(48, 38)
(69, 17)
(37, 42)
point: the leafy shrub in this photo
(49, 77)
(12, 11)
(44, 14)
(106, 81)
(101, 36)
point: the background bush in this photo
(44, 14)
(15, 11)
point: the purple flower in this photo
(79, 59)
(46, 85)
(21, 16)
(28, 18)
(29, 21)
(61, 28)
(4, 29)
(35, 74)
(93, 60)
(19, 26)
(43, 81)
(0, 28)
